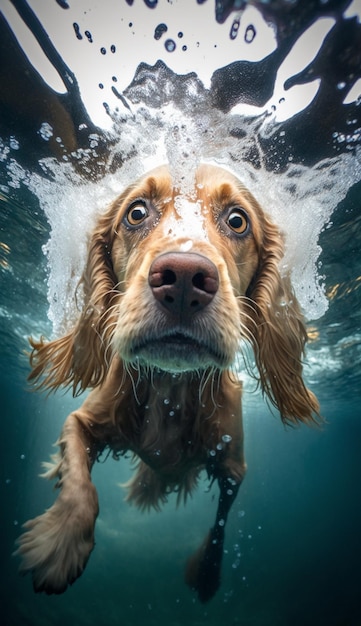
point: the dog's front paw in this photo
(203, 572)
(56, 545)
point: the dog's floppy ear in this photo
(79, 358)
(278, 334)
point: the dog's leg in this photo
(203, 573)
(57, 544)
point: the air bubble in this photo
(77, 31)
(88, 35)
(103, 50)
(234, 28)
(226, 438)
(250, 34)
(221, 522)
(170, 45)
(112, 48)
(13, 143)
(160, 30)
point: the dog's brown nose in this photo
(183, 282)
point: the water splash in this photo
(299, 199)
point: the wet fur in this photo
(129, 406)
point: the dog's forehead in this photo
(213, 176)
(211, 186)
(204, 175)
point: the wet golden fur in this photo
(177, 408)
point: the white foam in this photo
(300, 200)
(189, 221)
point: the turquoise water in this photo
(292, 549)
(293, 552)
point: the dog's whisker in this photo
(204, 379)
(109, 311)
(129, 368)
(215, 386)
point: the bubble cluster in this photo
(46, 131)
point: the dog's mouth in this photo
(178, 351)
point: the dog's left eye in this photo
(137, 213)
(238, 221)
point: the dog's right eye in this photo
(238, 221)
(136, 213)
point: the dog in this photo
(172, 284)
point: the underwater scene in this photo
(94, 95)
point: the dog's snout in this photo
(183, 282)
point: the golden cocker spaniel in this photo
(172, 284)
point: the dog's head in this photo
(175, 282)
(183, 266)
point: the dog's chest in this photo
(166, 438)
(169, 439)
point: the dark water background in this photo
(293, 549)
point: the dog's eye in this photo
(238, 221)
(137, 213)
